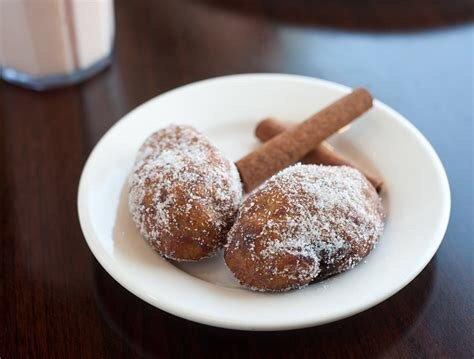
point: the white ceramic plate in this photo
(226, 109)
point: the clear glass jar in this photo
(53, 43)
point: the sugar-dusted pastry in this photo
(184, 194)
(307, 221)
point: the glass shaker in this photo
(53, 43)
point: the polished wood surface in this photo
(55, 299)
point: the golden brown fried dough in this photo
(184, 194)
(304, 222)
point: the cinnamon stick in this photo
(291, 145)
(322, 154)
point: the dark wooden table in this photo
(55, 299)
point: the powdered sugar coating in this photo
(184, 193)
(327, 215)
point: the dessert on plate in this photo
(305, 222)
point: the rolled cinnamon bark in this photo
(322, 154)
(290, 146)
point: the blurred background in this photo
(416, 56)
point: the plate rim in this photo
(118, 274)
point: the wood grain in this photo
(57, 302)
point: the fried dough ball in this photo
(305, 222)
(184, 194)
